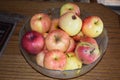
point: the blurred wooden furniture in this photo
(88, 1)
(93, 1)
(14, 67)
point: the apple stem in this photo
(57, 39)
(70, 8)
(56, 58)
(92, 50)
(40, 18)
(96, 21)
(67, 55)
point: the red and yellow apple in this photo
(33, 42)
(87, 52)
(55, 60)
(40, 58)
(57, 39)
(70, 7)
(72, 45)
(92, 26)
(54, 24)
(70, 23)
(40, 22)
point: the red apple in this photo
(71, 45)
(87, 52)
(57, 39)
(70, 23)
(40, 22)
(32, 42)
(92, 26)
(54, 24)
(55, 60)
(40, 58)
(70, 7)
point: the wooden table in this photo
(14, 67)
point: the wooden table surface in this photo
(13, 66)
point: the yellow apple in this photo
(72, 62)
(70, 23)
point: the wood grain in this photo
(13, 66)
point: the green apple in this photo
(72, 62)
(70, 23)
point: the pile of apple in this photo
(63, 43)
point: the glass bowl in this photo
(102, 41)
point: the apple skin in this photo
(40, 22)
(32, 42)
(78, 37)
(40, 58)
(70, 23)
(87, 52)
(72, 45)
(55, 60)
(89, 40)
(72, 62)
(54, 24)
(70, 7)
(92, 26)
(57, 39)
(44, 35)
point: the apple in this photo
(72, 62)
(32, 42)
(70, 7)
(72, 45)
(90, 40)
(78, 37)
(40, 58)
(44, 35)
(70, 23)
(40, 22)
(92, 26)
(55, 60)
(54, 24)
(87, 52)
(57, 39)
